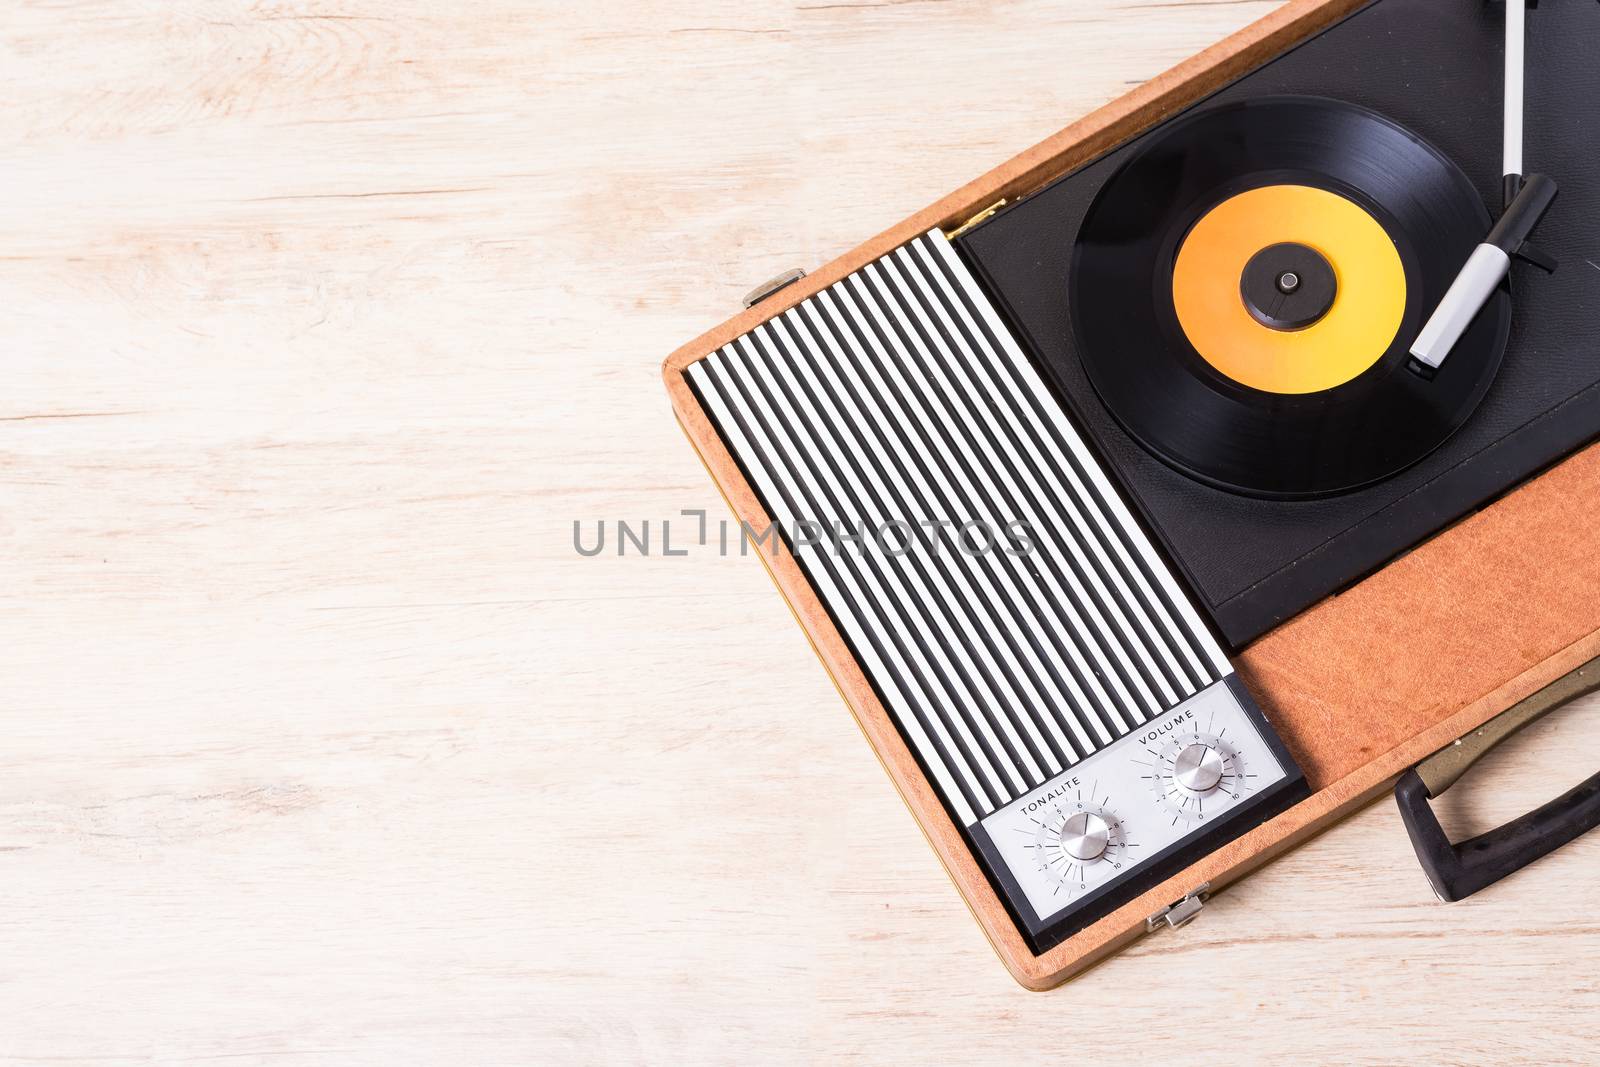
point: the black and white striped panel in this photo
(898, 395)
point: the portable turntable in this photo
(1295, 450)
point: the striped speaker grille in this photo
(898, 395)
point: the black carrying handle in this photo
(1460, 870)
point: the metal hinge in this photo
(1181, 913)
(982, 216)
(772, 285)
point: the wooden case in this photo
(1360, 687)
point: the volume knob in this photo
(1198, 769)
(1084, 836)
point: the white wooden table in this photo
(324, 322)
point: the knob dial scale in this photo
(1199, 776)
(1078, 845)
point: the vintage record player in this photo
(1175, 487)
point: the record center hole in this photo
(1288, 286)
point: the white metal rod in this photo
(1516, 37)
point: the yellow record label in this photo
(1356, 331)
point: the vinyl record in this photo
(1246, 288)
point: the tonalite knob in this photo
(1084, 837)
(1198, 769)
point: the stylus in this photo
(1486, 268)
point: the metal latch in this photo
(772, 285)
(1181, 913)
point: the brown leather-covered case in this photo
(1360, 687)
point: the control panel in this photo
(1116, 811)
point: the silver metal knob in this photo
(1198, 769)
(1084, 836)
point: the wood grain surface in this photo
(322, 744)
